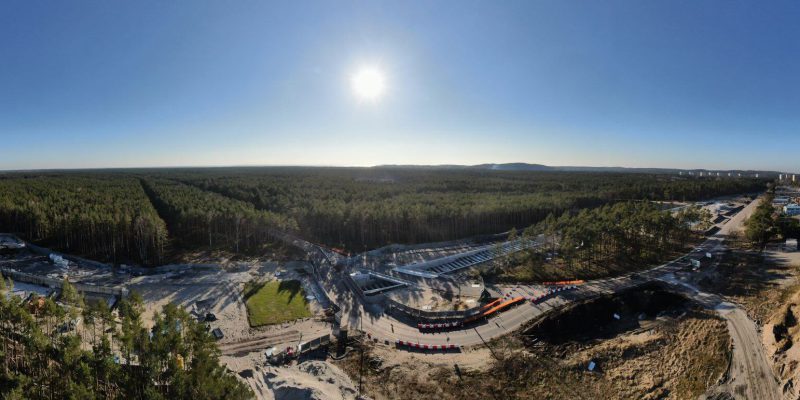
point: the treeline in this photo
(766, 222)
(45, 355)
(120, 216)
(357, 207)
(203, 219)
(107, 217)
(630, 232)
(599, 242)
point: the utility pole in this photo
(361, 363)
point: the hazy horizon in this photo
(681, 85)
(201, 166)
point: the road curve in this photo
(384, 327)
(750, 373)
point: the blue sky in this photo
(711, 84)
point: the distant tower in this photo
(717, 173)
(780, 177)
(680, 173)
(756, 175)
(729, 174)
(793, 180)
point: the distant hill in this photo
(514, 167)
(567, 168)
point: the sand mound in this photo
(781, 335)
(311, 380)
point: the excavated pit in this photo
(597, 318)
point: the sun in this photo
(369, 83)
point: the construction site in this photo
(377, 316)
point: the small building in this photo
(791, 209)
(790, 245)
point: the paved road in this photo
(386, 328)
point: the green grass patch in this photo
(275, 302)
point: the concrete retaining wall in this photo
(402, 310)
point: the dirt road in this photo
(750, 375)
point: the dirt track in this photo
(260, 342)
(750, 375)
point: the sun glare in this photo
(369, 84)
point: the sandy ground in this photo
(672, 358)
(476, 359)
(218, 292)
(312, 380)
(214, 292)
(221, 293)
(781, 331)
(653, 363)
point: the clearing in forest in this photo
(275, 302)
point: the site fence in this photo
(80, 260)
(314, 344)
(56, 283)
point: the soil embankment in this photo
(662, 346)
(644, 343)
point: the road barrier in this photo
(568, 283)
(445, 325)
(551, 292)
(491, 304)
(401, 343)
(493, 307)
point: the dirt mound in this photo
(781, 334)
(311, 380)
(675, 358)
(645, 343)
(671, 356)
